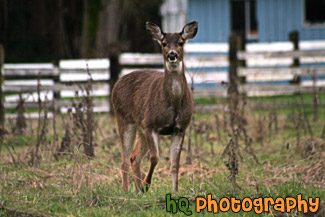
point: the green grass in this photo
(295, 98)
(76, 186)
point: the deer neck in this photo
(174, 83)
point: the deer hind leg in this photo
(139, 151)
(175, 153)
(152, 141)
(127, 137)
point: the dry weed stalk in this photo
(315, 97)
(237, 105)
(242, 126)
(232, 161)
(90, 121)
(224, 115)
(323, 132)
(275, 117)
(303, 124)
(84, 124)
(66, 144)
(189, 146)
(190, 131)
(79, 128)
(232, 149)
(20, 125)
(54, 113)
(305, 116)
(260, 130)
(298, 123)
(211, 148)
(270, 123)
(248, 146)
(218, 126)
(41, 126)
(273, 120)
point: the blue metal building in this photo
(260, 20)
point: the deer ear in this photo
(189, 31)
(154, 31)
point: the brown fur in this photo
(145, 99)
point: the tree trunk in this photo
(64, 49)
(90, 28)
(85, 31)
(108, 39)
(2, 108)
(108, 28)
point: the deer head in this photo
(172, 44)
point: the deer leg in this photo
(175, 153)
(152, 141)
(127, 137)
(139, 151)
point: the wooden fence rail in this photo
(279, 79)
(280, 54)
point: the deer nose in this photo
(172, 56)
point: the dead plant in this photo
(65, 146)
(218, 126)
(41, 126)
(315, 97)
(20, 125)
(84, 123)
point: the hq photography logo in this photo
(257, 205)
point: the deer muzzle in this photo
(172, 57)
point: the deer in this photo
(149, 103)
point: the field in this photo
(280, 152)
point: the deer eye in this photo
(164, 44)
(180, 43)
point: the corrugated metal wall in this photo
(213, 17)
(276, 18)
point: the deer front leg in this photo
(175, 153)
(152, 141)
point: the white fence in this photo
(267, 72)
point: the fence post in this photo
(241, 46)
(232, 70)
(294, 38)
(57, 81)
(2, 108)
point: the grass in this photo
(77, 186)
(307, 97)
